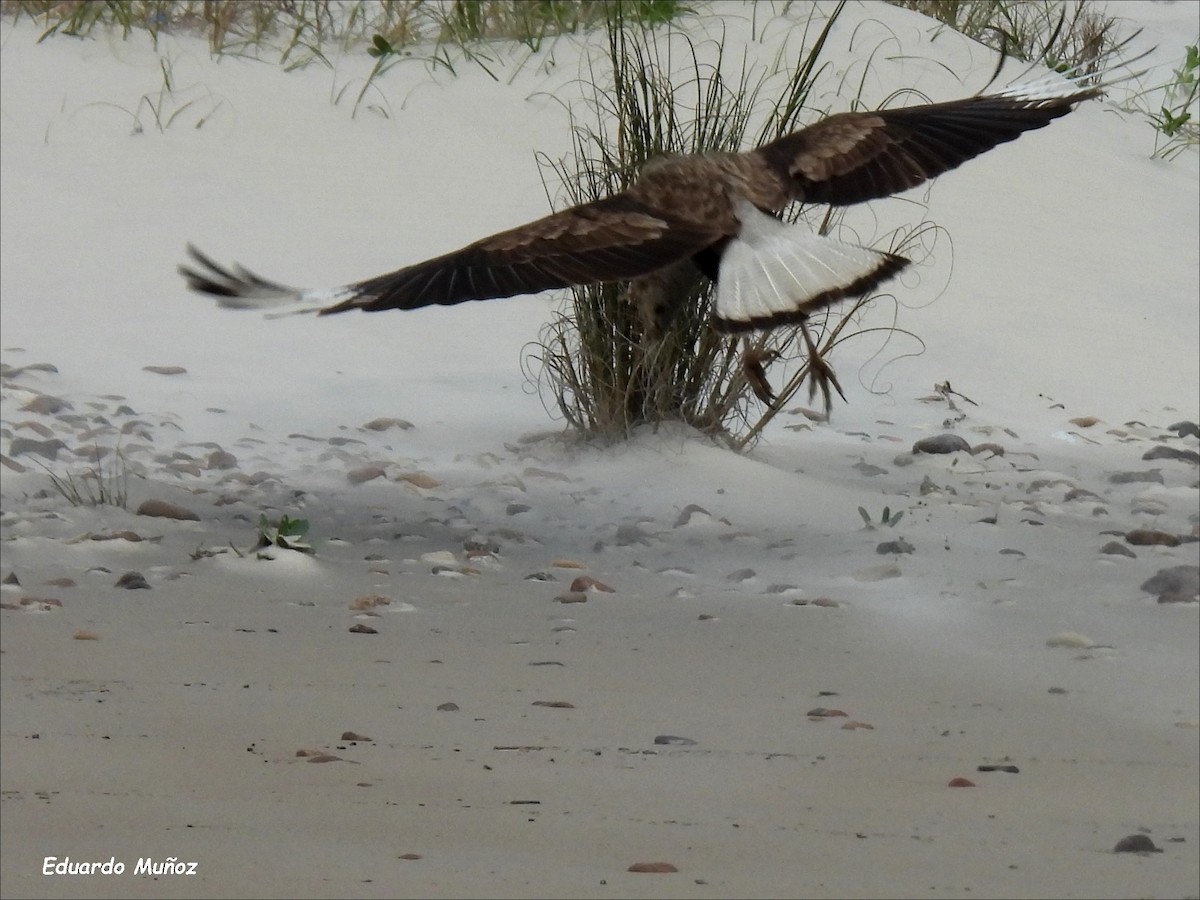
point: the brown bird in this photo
(716, 210)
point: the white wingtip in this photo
(774, 273)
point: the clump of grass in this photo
(301, 31)
(606, 366)
(104, 483)
(1079, 38)
(1175, 122)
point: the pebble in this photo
(1136, 843)
(352, 736)
(1116, 548)
(571, 597)
(1176, 584)
(449, 706)
(653, 868)
(383, 423)
(588, 583)
(1185, 429)
(1164, 452)
(84, 635)
(900, 545)
(362, 629)
(632, 535)
(47, 405)
(164, 510)
(1072, 640)
(942, 443)
(554, 704)
(419, 480)
(165, 370)
(133, 581)
(672, 740)
(961, 782)
(1153, 476)
(48, 449)
(1146, 537)
(822, 712)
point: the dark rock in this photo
(942, 443)
(1185, 429)
(1116, 548)
(1136, 843)
(133, 581)
(164, 510)
(1152, 475)
(1177, 584)
(1164, 452)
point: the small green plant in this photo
(1174, 120)
(104, 483)
(887, 517)
(287, 533)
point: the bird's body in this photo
(717, 210)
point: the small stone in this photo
(942, 443)
(46, 404)
(588, 583)
(568, 564)
(1136, 843)
(360, 628)
(419, 480)
(164, 510)
(1153, 476)
(1084, 421)
(353, 736)
(369, 601)
(165, 370)
(1185, 429)
(409, 856)
(1176, 584)
(653, 868)
(133, 581)
(1116, 548)
(1146, 537)
(897, 546)
(822, 712)
(632, 535)
(383, 423)
(84, 635)
(672, 740)
(1072, 640)
(571, 597)
(363, 474)
(554, 704)
(1164, 452)
(961, 782)
(222, 459)
(515, 509)
(48, 449)
(855, 725)
(449, 706)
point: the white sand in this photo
(176, 732)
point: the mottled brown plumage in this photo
(692, 207)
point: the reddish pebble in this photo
(654, 868)
(961, 782)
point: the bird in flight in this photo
(716, 211)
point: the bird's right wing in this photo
(612, 239)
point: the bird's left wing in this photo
(612, 239)
(857, 156)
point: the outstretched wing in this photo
(612, 239)
(857, 156)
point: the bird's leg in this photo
(754, 363)
(820, 373)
